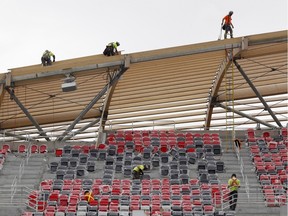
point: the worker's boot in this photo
(225, 35)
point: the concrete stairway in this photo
(31, 177)
(254, 204)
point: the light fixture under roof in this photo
(69, 83)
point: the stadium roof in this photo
(213, 85)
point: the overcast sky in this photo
(74, 28)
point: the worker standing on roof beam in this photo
(111, 49)
(228, 24)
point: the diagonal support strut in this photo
(29, 116)
(81, 129)
(93, 101)
(266, 106)
(244, 115)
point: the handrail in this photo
(13, 188)
(244, 177)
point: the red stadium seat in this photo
(21, 148)
(6, 147)
(34, 148)
(43, 149)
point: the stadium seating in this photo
(167, 151)
(269, 156)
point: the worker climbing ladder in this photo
(229, 102)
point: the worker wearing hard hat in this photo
(227, 25)
(111, 49)
(46, 58)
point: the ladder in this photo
(229, 102)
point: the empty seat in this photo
(109, 160)
(220, 166)
(93, 153)
(164, 170)
(127, 171)
(203, 178)
(164, 157)
(60, 174)
(53, 166)
(183, 169)
(211, 168)
(75, 152)
(118, 166)
(147, 153)
(80, 170)
(198, 143)
(34, 149)
(67, 149)
(156, 161)
(128, 161)
(217, 150)
(83, 158)
(192, 157)
(111, 150)
(199, 152)
(208, 148)
(102, 154)
(202, 164)
(64, 161)
(184, 178)
(174, 174)
(22, 148)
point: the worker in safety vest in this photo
(233, 185)
(228, 25)
(88, 196)
(138, 171)
(46, 58)
(111, 49)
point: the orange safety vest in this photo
(228, 20)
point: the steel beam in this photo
(64, 71)
(245, 115)
(266, 106)
(29, 116)
(81, 129)
(93, 101)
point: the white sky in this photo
(72, 29)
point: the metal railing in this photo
(256, 197)
(17, 178)
(142, 125)
(244, 176)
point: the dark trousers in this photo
(109, 51)
(228, 28)
(233, 199)
(137, 175)
(46, 61)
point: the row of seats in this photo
(22, 148)
(160, 133)
(196, 195)
(266, 135)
